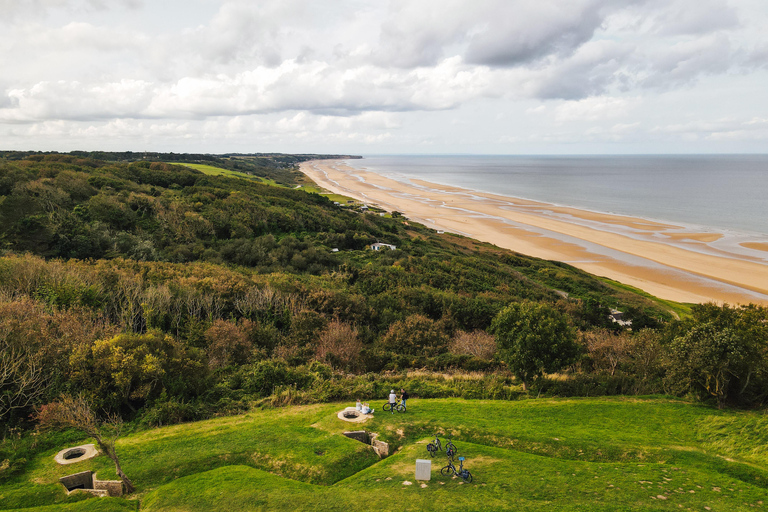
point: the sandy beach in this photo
(663, 259)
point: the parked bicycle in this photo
(434, 447)
(399, 407)
(450, 448)
(450, 469)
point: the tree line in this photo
(161, 294)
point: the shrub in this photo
(477, 343)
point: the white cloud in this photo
(593, 109)
(363, 71)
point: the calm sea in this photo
(719, 192)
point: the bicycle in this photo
(450, 448)
(399, 407)
(450, 469)
(434, 447)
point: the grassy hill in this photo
(546, 454)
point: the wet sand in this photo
(665, 260)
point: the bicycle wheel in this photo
(467, 476)
(387, 406)
(400, 408)
(450, 451)
(432, 449)
(447, 470)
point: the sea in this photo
(722, 193)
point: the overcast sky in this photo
(371, 77)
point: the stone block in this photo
(112, 488)
(381, 448)
(423, 469)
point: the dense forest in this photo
(165, 294)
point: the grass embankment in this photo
(578, 454)
(218, 171)
(309, 187)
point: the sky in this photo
(385, 76)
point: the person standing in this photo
(392, 400)
(404, 395)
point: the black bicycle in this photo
(450, 448)
(399, 407)
(434, 447)
(450, 469)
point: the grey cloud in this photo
(592, 71)
(685, 62)
(517, 34)
(691, 17)
(489, 32)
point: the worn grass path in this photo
(547, 454)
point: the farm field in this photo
(543, 454)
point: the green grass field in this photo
(218, 171)
(545, 454)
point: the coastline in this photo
(663, 259)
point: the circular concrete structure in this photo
(76, 454)
(352, 415)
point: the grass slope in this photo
(582, 454)
(218, 171)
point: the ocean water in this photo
(707, 192)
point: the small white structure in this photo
(335, 249)
(618, 317)
(378, 246)
(423, 469)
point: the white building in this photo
(378, 246)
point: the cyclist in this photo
(392, 400)
(404, 395)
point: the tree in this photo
(608, 350)
(416, 335)
(721, 351)
(533, 338)
(711, 360)
(339, 346)
(22, 378)
(477, 343)
(228, 343)
(77, 413)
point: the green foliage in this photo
(416, 335)
(722, 352)
(160, 288)
(533, 339)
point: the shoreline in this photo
(660, 258)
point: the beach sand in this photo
(662, 259)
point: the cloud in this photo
(520, 32)
(683, 62)
(593, 109)
(64, 100)
(335, 67)
(12, 10)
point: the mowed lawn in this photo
(218, 171)
(544, 454)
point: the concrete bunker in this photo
(380, 447)
(86, 481)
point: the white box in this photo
(423, 469)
